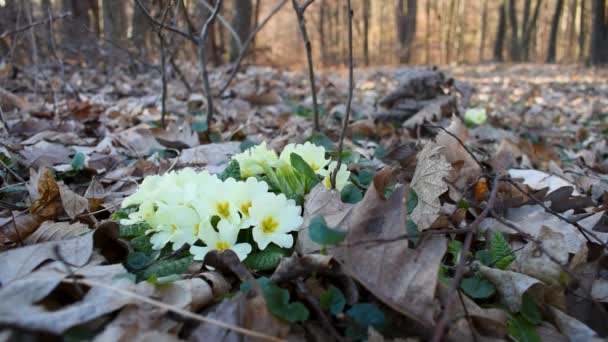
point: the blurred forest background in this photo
(386, 32)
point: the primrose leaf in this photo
(477, 287)
(501, 252)
(321, 139)
(167, 267)
(199, 126)
(413, 234)
(233, 170)
(78, 161)
(265, 260)
(137, 260)
(454, 249)
(277, 301)
(332, 300)
(133, 230)
(246, 144)
(412, 201)
(351, 194)
(320, 233)
(142, 244)
(521, 330)
(365, 177)
(302, 166)
(530, 311)
(365, 315)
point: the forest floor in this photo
(489, 228)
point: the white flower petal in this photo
(199, 252)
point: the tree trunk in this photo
(406, 29)
(500, 32)
(527, 33)
(241, 22)
(141, 28)
(76, 30)
(367, 13)
(428, 32)
(554, 28)
(598, 54)
(572, 30)
(115, 20)
(322, 31)
(513, 47)
(581, 33)
(484, 27)
(448, 40)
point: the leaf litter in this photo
(376, 263)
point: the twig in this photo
(314, 304)
(163, 69)
(11, 171)
(225, 23)
(203, 61)
(16, 229)
(174, 309)
(163, 26)
(447, 311)
(586, 232)
(246, 43)
(33, 24)
(311, 71)
(467, 316)
(459, 141)
(350, 93)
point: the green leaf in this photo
(78, 161)
(246, 144)
(142, 244)
(380, 152)
(463, 204)
(164, 280)
(277, 301)
(365, 315)
(454, 249)
(133, 230)
(332, 300)
(484, 256)
(123, 213)
(365, 177)
(413, 234)
(137, 260)
(321, 139)
(319, 232)
(233, 170)
(265, 260)
(13, 188)
(166, 267)
(530, 311)
(412, 201)
(477, 287)
(501, 252)
(199, 126)
(301, 166)
(351, 194)
(521, 330)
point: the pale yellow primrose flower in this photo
(146, 190)
(312, 154)
(475, 116)
(220, 198)
(251, 160)
(225, 238)
(274, 216)
(145, 211)
(341, 177)
(173, 223)
(243, 196)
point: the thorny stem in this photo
(311, 71)
(246, 43)
(203, 61)
(350, 93)
(446, 315)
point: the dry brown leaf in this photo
(55, 231)
(574, 329)
(10, 101)
(512, 285)
(19, 229)
(72, 203)
(45, 154)
(211, 155)
(46, 202)
(455, 152)
(440, 106)
(429, 183)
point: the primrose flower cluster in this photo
(260, 160)
(199, 209)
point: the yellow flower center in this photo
(196, 229)
(222, 245)
(314, 167)
(245, 208)
(223, 209)
(148, 214)
(173, 228)
(269, 225)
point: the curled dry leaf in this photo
(429, 183)
(574, 329)
(512, 285)
(72, 203)
(20, 228)
(55, 231)
(46, 201)
(539, 180)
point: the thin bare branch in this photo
(203, 61)
(349, 101)
(163, 26)
(227, 25)
(35, 23)
(246, 43)
(455, 284)
(311, 71)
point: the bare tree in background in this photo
(141, 28)
(500, 32)
(484, 27)
(115, 24)
(598, 53)
(366, 16)
(406, 28)
(554, 28)
(242, 11)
